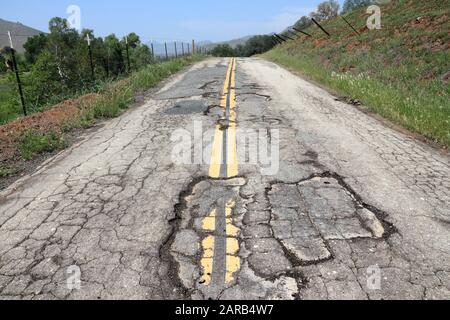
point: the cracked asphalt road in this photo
(356, 210)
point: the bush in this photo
(352, 5)
(223, 50)
(32, 143)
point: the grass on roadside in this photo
(32, 143)
(396, 72)
(7, 110)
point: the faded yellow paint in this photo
(232, 161)
(216, 153)
(232, 246)
(233, 266)
(223, 101)
(208, 247)
(233, 262)
(216, 156)
(209, 223)
(229, 207)
(232, 231)
(207, 261)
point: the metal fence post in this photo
(88, 38)
(350, 25)
(321, 28)
(16, 70)
(153, 51)
(128, 55)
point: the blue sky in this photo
(166, 20)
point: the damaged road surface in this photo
(323, 202)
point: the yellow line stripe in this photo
(232, 161)
(216, 153)
(233, 262)
(217, 149)
(207, 261)
(223, 102)
(216, 156)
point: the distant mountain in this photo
(233, 43)
(20, 34)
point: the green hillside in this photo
(399, 72)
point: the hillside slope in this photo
(20, 34)
(400, 72)
(232, 43)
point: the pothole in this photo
(309, 214)
(207, 242)
(210, 95)
(185, 107)
(254, 95)
(213, 110)
(207, 84)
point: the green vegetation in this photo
(6, 171)
(61, 92)
(9, 103)
(255, 45)
(56, 67)
(32, 143)
(352, 5)
(117, 96)
(113, 98)
(397, 71)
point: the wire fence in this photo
(294, 33)
(113, 63)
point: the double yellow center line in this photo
(224, 162)
(220, 260)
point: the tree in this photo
(133, 40)
(2, 63)
(141, 56)
(303, 23)
(115, 56)
(326, 10)
(351, 5)
(34, 46)
(257, 45)
(223, 50)
(59, 62)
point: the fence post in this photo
(88, 39)
(294, 34)
(153, 51)
(305, 33)
(285, 36)
(176, 51)
(350, 25)
(321, 28)
(107, 64)
(167, 54)
(189, 48)
(277, 41)
(182, 48)
(128, 55)
(280, 38)
(16, 70)
(193, 46)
